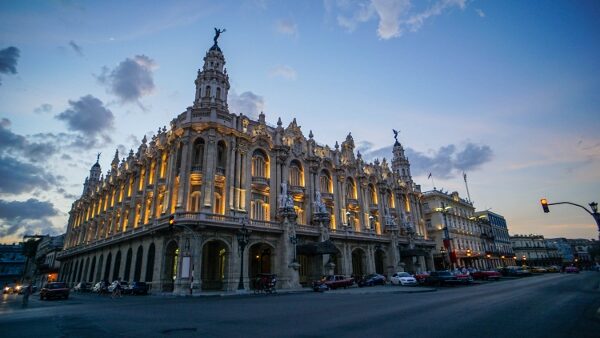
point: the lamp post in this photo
(371, 222)
(243, 237)
(447, 240)
(443, 252)
(347, 225)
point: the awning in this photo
(317, 248)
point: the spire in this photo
(115, 161)
(400, 164)
(212, 82)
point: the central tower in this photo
(212, 83)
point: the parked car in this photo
(54, 290)
(421, 277)
(372, 279)
(463, 278)
(332, 282)
(113, 285)
(100, 287)
(486, 275)
(538, 269)
(571, 269)
(83, 287)
(403, 278)
(553, 268)
(136, 288)
(441, 278)
(515, 271)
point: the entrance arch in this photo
(137, 271)
(127, 265)
(261, 260)
(380, 258)
(359, 262)
(107, 268)
(92, 270)
(99, 272)
(170, 271)
(214, 265)
(117, 265)
(336, 259)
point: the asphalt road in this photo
(554, 305)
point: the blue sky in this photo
(504, 90)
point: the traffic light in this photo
(171, 222)
(545, 205)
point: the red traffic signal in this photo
(545, 205)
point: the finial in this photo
(396, 132)
(98, 157)
(144, 139)
(337, 146)
(279, 123)
(310, 134)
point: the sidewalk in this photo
(351, 290)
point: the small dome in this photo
(96, 165)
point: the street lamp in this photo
(593, 205)
(371, 222)
(444, 210)
(243, 237)
(347, 225)
(443, 252)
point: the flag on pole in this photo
(428, 177)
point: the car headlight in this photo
(18, 287)
(6, 288)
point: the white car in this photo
(403, 278)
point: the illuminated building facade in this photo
(310, 209)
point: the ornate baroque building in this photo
(306, 209)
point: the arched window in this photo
(198, 155)
(372, 195)
(325, 182)
(296, 178)
(221, 157)
(260, 164)
(350, 189)
(259, 210)
(207, 91)
(218, 93)
(195, 201)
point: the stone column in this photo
(230, 181)
(208, 182)
(291, 276)
(159, 258)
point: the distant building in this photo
(581, 251)
(532, 250)
(47, 267)
(12, 262)
(451, 223)
(500, 252)
(564, 249)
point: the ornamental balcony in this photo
(260, 183)
(196, 168)
(373, 207)
(220, 171)
(296, 189)
(352, 203)
(327, 196)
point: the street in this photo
(550, 305)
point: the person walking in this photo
(26, 294)
(117, 289)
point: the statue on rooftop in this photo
(218, 33)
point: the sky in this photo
(505, 91)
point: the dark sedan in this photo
(372, 279)
(54, 290)
(136, 288)
(441, 278)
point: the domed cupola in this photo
(212, 83)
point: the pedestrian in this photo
(117, 289)
(26, 293)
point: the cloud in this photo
(11, 143)
(8, 60)
(287, 27)
(88, 116)
(27, 217)
(44, 108)
(446, 162)
(246, 103)
(131, 79)
(394, 16)
(30, 209)
(21, 177)
(284, 72)
(480, 13)
(77, 48)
